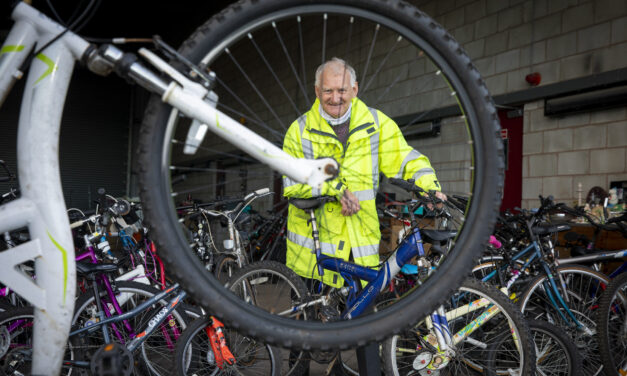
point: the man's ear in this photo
(356, 88)
(317, 90)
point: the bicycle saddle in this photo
(86, 269)
(544, 229)
(310, 203)
(431, 236)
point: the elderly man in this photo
(365, 142)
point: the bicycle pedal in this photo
(112, 360)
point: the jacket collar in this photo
(361, 124)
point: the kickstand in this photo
(368, 360)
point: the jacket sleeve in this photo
(292, 145)
(399, 160)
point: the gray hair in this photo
(339, 66)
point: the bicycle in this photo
(490, 348)
(278, 290)
(233, 253)
(566, 296)
(267, 237)
(197, 354)
(448, 70)
(584, 251)
(556, 353)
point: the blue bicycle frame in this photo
(377, 279)
(550, 285)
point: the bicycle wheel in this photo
(226, 266)
(556, 353)
(156, 353)
(414, 72)
(275, 288)
(501, 345)
(583, 288)
(194, 355)
(612, 326)
(16, 339)
(16, 336)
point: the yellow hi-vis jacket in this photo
(375, 145)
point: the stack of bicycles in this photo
(129, 319)
(562, 292)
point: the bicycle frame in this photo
(41, 206)
(154, 323)
(377, 279)
(550, 286)
(610, 255)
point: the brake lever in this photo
(209, 80)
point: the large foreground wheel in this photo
(264, 54)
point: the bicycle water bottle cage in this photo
(310, 203)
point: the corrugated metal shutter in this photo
(94, 137)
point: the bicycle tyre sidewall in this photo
(341, 335)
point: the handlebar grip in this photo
(259, 192)
(74, 225)
(262, 191)
(407, 185)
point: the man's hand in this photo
(440, 196)
(350, 203)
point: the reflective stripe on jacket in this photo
(375, 145)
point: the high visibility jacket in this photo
(375, 145)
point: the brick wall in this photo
(561, 152)
(562, 40)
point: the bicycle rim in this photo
(467, 155)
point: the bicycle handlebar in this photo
(425, 197)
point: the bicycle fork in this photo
(221, 352)
(441, 339)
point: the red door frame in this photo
(512, 135)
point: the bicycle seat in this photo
(310, 203)
(432, 236)
(545, 229)
(87, 269)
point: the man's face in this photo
(335, 92)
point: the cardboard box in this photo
(393, 231)
(391, 234)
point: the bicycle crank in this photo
(112, 360)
